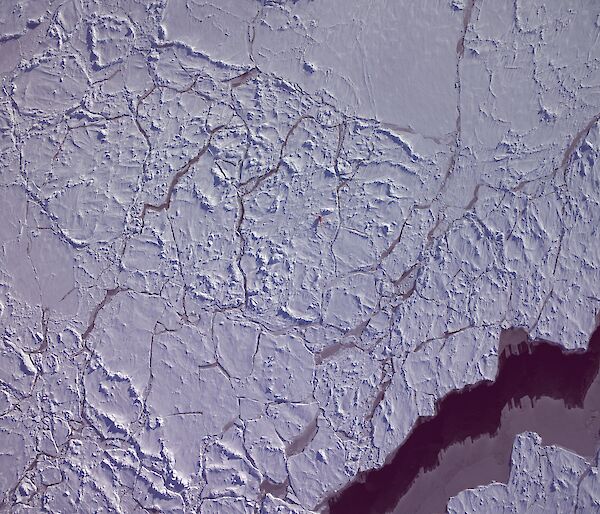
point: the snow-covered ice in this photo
(245, 244)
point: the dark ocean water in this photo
(539, 387)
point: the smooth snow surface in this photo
(245, 244)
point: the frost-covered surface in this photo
(246, 244)
(542, 479)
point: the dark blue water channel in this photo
(539, 387)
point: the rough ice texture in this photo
(542, 479)
(246, 244)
